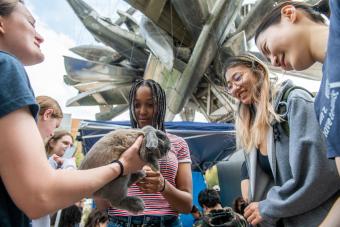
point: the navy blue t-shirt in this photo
(15, 93)
(327, 102)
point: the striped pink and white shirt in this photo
(156, 204)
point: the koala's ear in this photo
(142, 150)
(151, 139)
(164, 141)
(161, 135)
(154, 164)
(167, 145)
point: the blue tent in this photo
(208, 142)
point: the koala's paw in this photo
(136, 177)
(132, 204)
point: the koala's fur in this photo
(155, 146)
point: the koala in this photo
(155, 145)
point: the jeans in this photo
(145, 221)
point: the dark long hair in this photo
(274, 16)
(159, 101)
(70, 216)
(95, 217)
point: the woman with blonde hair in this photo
(284, 149)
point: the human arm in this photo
(32, 184)
(309, 171)
(245, 189)
(245, 182)
(333, 217)
(69, 164)
(180, 197)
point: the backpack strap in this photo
(282, 108)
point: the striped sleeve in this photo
(181, 147)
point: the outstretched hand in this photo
(131, 159)
(59, 160)
(153, 181)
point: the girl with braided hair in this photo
(156, 102)
(165, 193)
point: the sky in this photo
(62, 30)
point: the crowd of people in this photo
(290, 176)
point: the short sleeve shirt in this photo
(327, 102)
(15, 93)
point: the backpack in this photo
(282, 109)
(224, 217)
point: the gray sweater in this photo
(305, 183)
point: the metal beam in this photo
(205, 49)
(167, 20)
(124, 42)
(256, 15)
(110, 114)
(193, 14)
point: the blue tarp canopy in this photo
(208, 142)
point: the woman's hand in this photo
(131, 159)
(252, 213)
(59, 160)
(153, 181)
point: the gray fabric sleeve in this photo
(313, 176)
(52, 163)
(69, 163)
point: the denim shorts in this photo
(145, 221)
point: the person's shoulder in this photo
(178, 143)
(288, 90)
(174, 138)
(301, 93)
(10, 64)
(7, 58)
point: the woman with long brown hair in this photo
(284, 149)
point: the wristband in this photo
(121, 167)
(162, 190)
